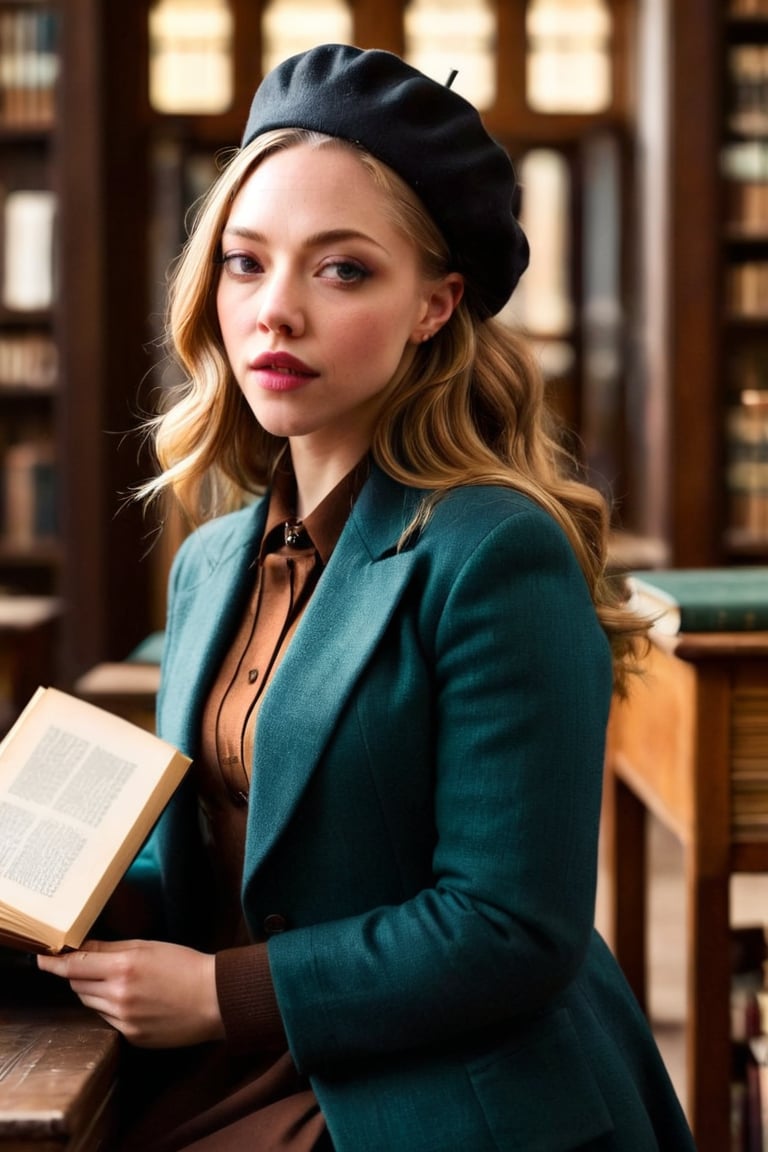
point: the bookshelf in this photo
(708, 229)
(30, 550)
(72, 323)
(744, 175)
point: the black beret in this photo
(432, 137)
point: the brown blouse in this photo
(246, 1091)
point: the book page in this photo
(655, 605)
(73, 782)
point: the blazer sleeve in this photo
(523, 685)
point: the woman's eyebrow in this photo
(339, 235)
(316, 240)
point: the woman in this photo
(374, 894)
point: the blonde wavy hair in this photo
(469, 409)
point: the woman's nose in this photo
(281, 308)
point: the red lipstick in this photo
(281, 372)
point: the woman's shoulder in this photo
(455, 520)
(494, 526)
(488, 499)
(476, 510)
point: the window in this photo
(442, 36)
(291, 26)
(568, 59)
(542, 304)
(190, 56)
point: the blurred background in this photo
(637, 128)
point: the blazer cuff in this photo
(247, 999)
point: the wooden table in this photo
(679, 748)
(58, 1070)
(128, 687)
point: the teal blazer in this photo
(423, 828)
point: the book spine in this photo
(747, 958)
(748, 87)
(711, 619)
(747, 465)
(746, 290)
(744, 166)
(748, 8)
(29, 66)
(28, 280)
(749, 765)
(28, 360)
(29, 494)
(754, 1133)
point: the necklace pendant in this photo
(292, 530)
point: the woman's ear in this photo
(441, 300)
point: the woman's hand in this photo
(158, 995)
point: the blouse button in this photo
(274, 924)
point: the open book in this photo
(80, 790)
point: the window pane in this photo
(291, 26)
(443, 35)
(602, 321)
(568, 59)
(542, 302)
(190, 60)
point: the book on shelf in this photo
(749, 764)
(702, 599)
(747, 962)
(28, 236)
(80, 790)
(746, 289)
(748, 83)
(757, 1088)
(747, 464)
(28, 360)
(744, 165)
(29, 65)
(748, 8)
(29, 493)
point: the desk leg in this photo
(708, 1040)
(624, 844)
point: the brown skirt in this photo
(208, 1100)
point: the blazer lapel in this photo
(344, 621)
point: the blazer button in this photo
(274, 924)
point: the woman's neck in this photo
(318, 474)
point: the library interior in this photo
(638, 130)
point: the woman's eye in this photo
(240, 264)
(345, 271)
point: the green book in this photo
(702, 599)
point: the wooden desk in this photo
(128, 687)
(58, 1069)
(678, 748)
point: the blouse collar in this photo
(323, 526)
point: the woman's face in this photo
(321, 297)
